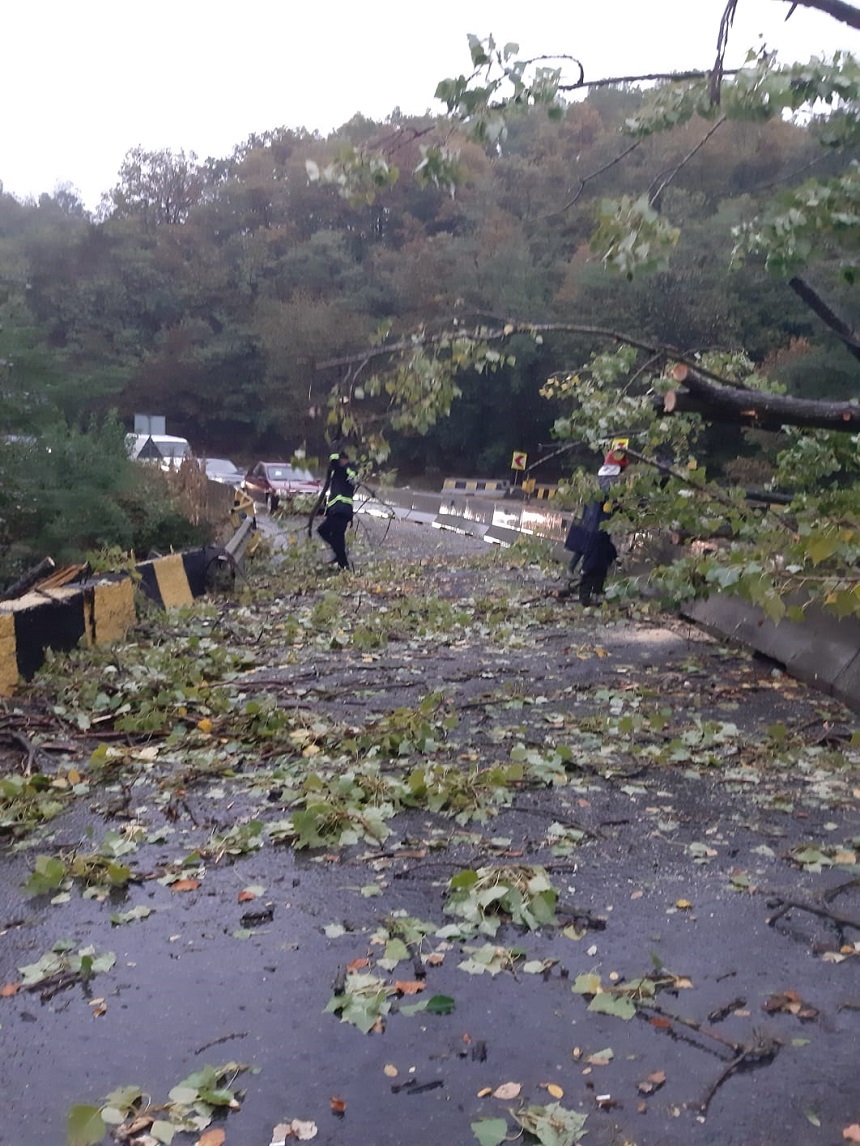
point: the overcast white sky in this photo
(82, 81)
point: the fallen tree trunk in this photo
(720, 403)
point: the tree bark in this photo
(721, 403)
(838, 9)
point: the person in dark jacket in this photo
(338, 491)
(581, 533)
(599, 555)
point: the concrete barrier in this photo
(97, 612)
(823, 650)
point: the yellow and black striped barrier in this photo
(476, 487)
(537, 492)
(98, 612)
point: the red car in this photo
(271, 482)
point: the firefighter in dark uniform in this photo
(340, 483)
(587, 541)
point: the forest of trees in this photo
(249, 298)
(209, 292)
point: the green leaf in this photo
(618, 1005)
(124, 1098)
(552, 1125)
(183, 1094)
(135, 913)
(587, 984)
(85, 1126)
(464, 879)
(414, 1008)
(395, 952)
(440, 1005)
(218, 1097)
(490, 1131)
(47, 875)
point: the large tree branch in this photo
(838, 9)
(714, 397)
(816, 303)
(650, 77)
(727, 403)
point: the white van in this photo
(169, 452)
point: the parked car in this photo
(271, 482)
(224, 471)
(164, 449)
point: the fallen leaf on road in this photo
(214, 1137)
(409, 986)
(9, 989)
(852, 1133)
(507, 1090)
(390, 1070)
(789, 1002)
(652, 1082)
(357, 964)
(304, 1131)
(185, 885)
(683, 905)
(553, 1089)
(338, 1105)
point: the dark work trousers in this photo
(597, 558)
(581, 534)
(333, 533)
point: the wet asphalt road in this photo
(185, 990)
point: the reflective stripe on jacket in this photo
(341, 489)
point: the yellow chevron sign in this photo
(518, 462)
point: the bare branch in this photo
(650, 77)
(726, 22)
(838, 9)
(587, 178)
(654, 199)
(849, 337)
